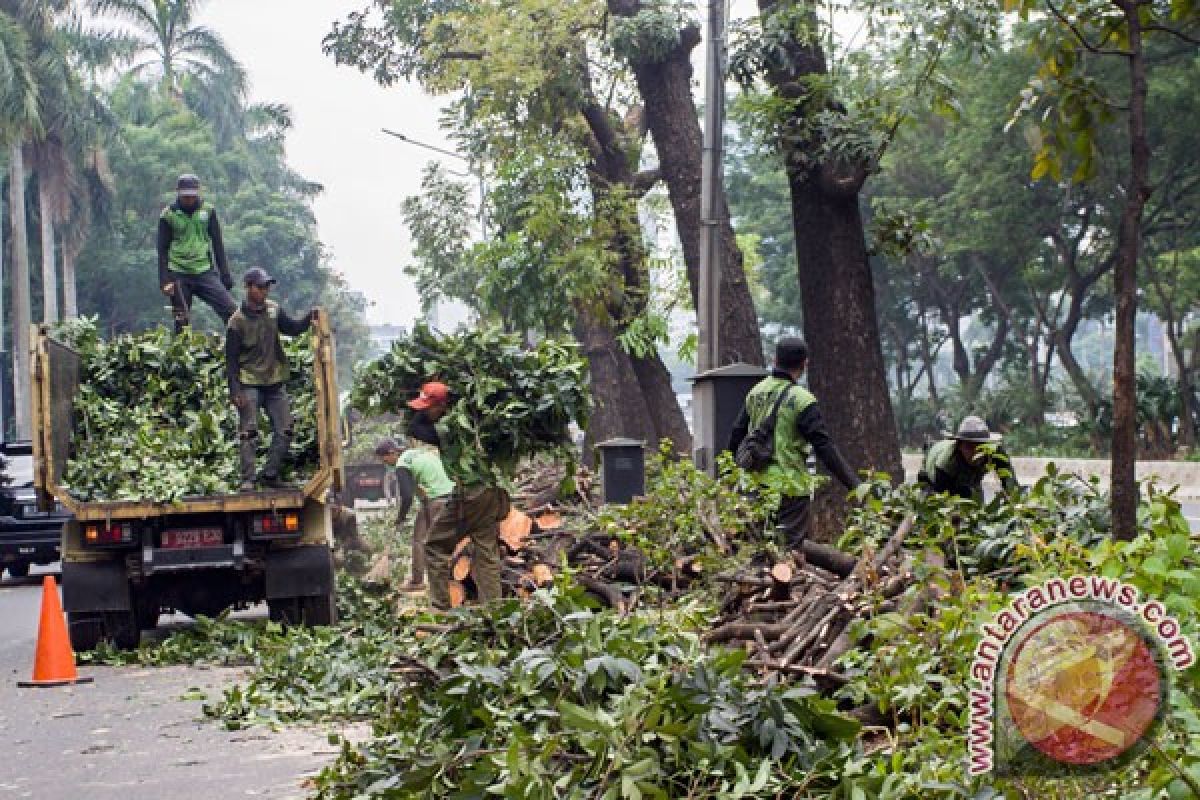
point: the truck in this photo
(126, 562)
(28, 535)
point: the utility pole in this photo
(708, 356)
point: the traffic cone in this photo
(54, 664)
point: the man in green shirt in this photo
(472, 510)
(798, 428)
(958, 463)
(257, 371)
(419, 471)
(189, 245)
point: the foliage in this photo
(153, 420)
(510, 402)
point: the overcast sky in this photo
(338, 113)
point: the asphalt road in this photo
(130, 735)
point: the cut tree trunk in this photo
(49, 261)
(666, 90)
(21, 314)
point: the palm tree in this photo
(19, 116)
(191, 61)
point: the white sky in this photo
(338, 113)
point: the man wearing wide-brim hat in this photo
(956, 465)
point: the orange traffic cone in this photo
(54, 664)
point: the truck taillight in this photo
(97, 533)
(277, 524)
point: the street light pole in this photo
(708, 356)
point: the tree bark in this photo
(49, 260)
(1124, 445)
(619, 409)
(666, 90)
(21, 315)
(70, 296)
(1175, 331)
(846, 366)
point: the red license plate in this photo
(193, 537)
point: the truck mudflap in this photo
(95, 586)
(305, 571)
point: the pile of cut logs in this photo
(793, 615)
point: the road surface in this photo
(130, 735)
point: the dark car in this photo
(27, 536)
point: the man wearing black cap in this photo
(189, 243)
(257, 370)
(798, 428)
(958, 463)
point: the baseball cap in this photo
(257, 276)
(431, 394)
(188, 185)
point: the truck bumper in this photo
(95, 586)
(305, 571)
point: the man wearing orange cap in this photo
(473, 510)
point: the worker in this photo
(419, 472)
(472, 510)
(798, 428)
(189, 247)
(957, 464)
(257, 371)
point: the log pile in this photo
(793, 614)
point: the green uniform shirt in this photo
(791, 449)
(944, 470)
(253, 339)
(191, 247)
(425, 464)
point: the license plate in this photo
(193, 537)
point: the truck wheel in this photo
(18, 569)
(284, 610)
(146, 607)
(121, 628)
(319, 610)
(85, 629)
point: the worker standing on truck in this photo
(419, 472)
(257, 371)
(189, 247)
(958, 463)
(472, 510)
(779, 401)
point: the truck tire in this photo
(121, 628)
(320, 610)
(85, 628)
(284, 610)
(18, 569)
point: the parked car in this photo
(27, 536)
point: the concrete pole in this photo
(708, 311)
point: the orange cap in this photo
(432, 394)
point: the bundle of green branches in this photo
(511, 402)
(153, 419)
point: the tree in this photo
(534, 78)
(1081, 30)
(657, 39)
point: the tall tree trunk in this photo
(1063, 338)
(21, 315)
(618, 407)
(70, 296)
(1124, 446)
(666, 90)
(846, 366)
(49, 261)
